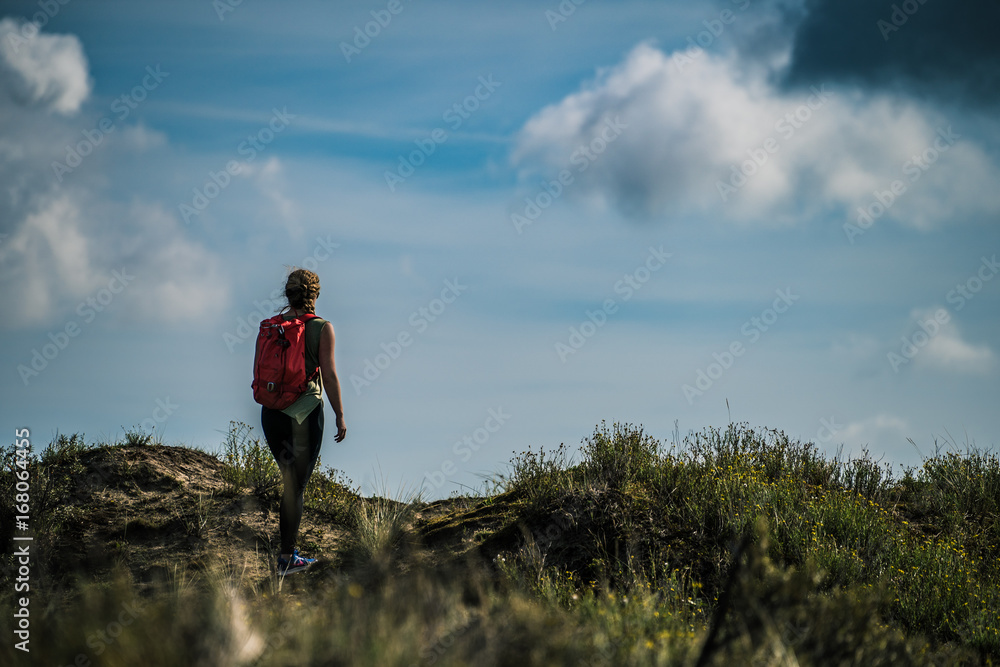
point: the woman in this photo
(295, 434)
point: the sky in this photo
(528, 218)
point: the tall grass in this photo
(377, 528)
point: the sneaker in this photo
(295, 554)
(296, 564)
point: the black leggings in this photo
(295, 447)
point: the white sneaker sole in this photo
(292, 570)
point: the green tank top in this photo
(312, 396)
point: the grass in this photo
(736, 546)
(249, 464)
(378, 527)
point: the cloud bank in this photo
(61, 237)
(703, 135)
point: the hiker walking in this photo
(292, 365)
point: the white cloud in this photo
(947, 351)
(177, 279)
(45, 260)
(49, 71)
(928, 345)
(139, 138)
(952, 353)
(269, 180)
(694, 118)
(63, 237)
(66, 252)
(883, 431)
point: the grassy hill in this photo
(739, 547)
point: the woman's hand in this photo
(341, 429)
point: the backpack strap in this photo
(305, 317)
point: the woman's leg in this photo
(295, 448)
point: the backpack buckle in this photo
(271, 387)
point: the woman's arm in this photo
(328, 370)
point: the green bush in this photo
(53, 477)
(137, 437)
(621, 455)
(248, 464)
(537, 476)
(929, 541)
(330, 491)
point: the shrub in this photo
(137, 437)
(621, 455)
(330, 491)
(537, 476)
(248, 464)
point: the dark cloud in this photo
(945, 49)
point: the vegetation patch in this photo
(735, 546)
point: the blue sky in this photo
(555, 163)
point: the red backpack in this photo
(279, 367)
